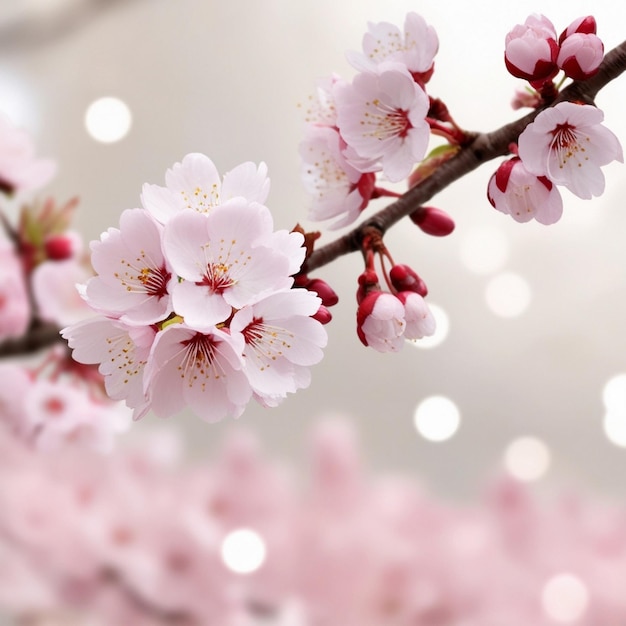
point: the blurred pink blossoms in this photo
(135, 538)
(20, 170)
(195, 301)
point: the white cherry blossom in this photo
(134, 278)
(195, 183)
(331, 182)
(121, 352)
(513, 190)
(222, 261)
(282, 341)
(382, 116)
(200, 370)
(568, 144)
(415, 46)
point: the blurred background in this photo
(531, 318)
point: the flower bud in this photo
(59, 247)
(586, 25)
(531, 50)
(368, 281)
(581, 55)
(323, 290)
(323, 315)
(404, 278)
(380, 322)
(433, 221)
(419, 319)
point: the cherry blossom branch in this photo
(481, 149)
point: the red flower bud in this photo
(323, 315)
(586, 25)
(323, 290)
(404, 278)
(59, 247)
(433, 221)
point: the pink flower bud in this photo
(581, 55)
(531, 50)
(404, 278)
(380, 322)
(323, 315)
(586, 25)
(323, 290)
(433, 221)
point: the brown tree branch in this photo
(484, 147)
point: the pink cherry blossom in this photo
(531, 49)
(60, 414)
(290, 244)
(121, 351)
(580, 55)
(382, 117)
(195, 184)
(134, 278)
(568, 144)
(199, 370)
(380, 322)
(513, 190)
(54, 290)
(415, 46)
(20, 170)
(14, 304)
(281, 341)
(223, 265)
(336, 188)
(420, 322)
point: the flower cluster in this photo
(533, 51)
(376, 123)
(386, 319)
(194, 299)
(136, 538)
(566, 144)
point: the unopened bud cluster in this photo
(534, 52)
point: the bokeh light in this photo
(108, 119)
(527, 458)
(437, 418)
(243, 551)
(508, 294)
(614, 398)
(484, 249)
(565, 598)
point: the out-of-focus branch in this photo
(484, 147)
(40, 335)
